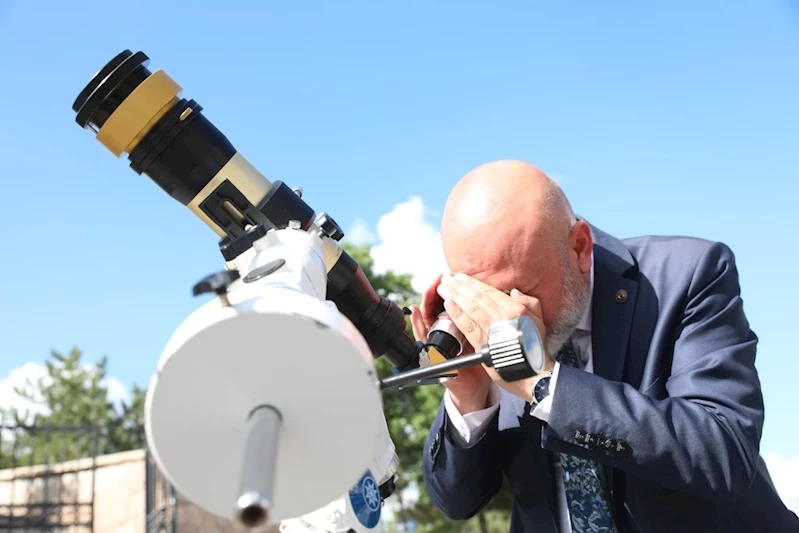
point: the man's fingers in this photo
(417, 324)
(497, 304)
(473, 298)
(472, 330)
(432, 303)
(533, 305)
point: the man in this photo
(649, 415)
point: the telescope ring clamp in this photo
(514, 349)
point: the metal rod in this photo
(259, 468)
(409, 376)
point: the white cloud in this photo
(408, 242)
(117, 392)
(360, 234)
(27, 378)
(785, 475)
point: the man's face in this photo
(558, 276)
(575, 293)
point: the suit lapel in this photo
(613, 305)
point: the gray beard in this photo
(576, 295)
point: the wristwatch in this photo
(541, 388)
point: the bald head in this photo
(503, 211)
(509, 225)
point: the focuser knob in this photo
(329, 226)
(514, 349)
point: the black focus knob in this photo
(216, 283)
(329, 227)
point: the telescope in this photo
(265, 406)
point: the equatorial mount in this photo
(265, 404)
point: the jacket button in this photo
(623, 448)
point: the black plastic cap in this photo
(109, 67)
(109, 88)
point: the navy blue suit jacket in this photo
(673, 412)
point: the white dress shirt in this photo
(470, 427)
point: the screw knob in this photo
(216, 283)
(329, 227)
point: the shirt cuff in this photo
(541, 410)
(468, 428)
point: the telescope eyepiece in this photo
(445, 337)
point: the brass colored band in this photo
(138, 113)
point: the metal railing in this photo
(48, 478)
(161, 504)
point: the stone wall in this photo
(116, 484)
(119, 495)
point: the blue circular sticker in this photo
(365, 500)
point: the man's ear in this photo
(581, 245)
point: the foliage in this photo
(410, 412)
(77, 420)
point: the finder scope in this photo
(140, 113)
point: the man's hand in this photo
(474, 306)
(469, 392)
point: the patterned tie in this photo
(588, 508)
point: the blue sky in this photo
(675, 119)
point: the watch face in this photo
(541, 389)
(531, 343)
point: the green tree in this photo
(410, 412)
(76, 418)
